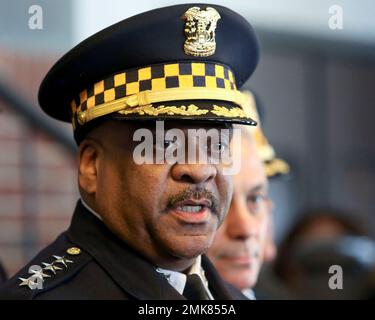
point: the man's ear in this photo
(88, 164)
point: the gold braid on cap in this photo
(138, 89)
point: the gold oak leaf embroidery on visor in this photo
(229, 113)
(191, 110)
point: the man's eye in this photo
(258, 198)
(255, 202)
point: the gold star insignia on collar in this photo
(51, 267)
(62, 260)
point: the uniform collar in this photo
(90, 209)
(178, 279)
(131, 271)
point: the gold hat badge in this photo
(200, 29)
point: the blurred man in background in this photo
(238, 248)
(245, 240)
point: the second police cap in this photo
(183, 62)
(274, 166)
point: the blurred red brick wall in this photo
(37, 176)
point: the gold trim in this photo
(249, 106)
(265, 151)
(148, 97)
(230, 113)
(276, 166)
(191, 110)
(216, 76)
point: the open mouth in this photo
(192, 211)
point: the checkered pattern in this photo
(157, 77)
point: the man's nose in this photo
(240, 223)
(193, 173)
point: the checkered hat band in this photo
(155, 78)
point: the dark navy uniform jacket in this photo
(104, 268)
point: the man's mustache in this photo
(196, 194)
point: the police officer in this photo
(244, 241)
(139, 231)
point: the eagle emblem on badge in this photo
(200, 26)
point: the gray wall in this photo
(56, 35)
(319, 116)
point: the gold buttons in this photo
(73, 251)
(81, 117)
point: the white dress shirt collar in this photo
(178, 279)
(249, 293)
